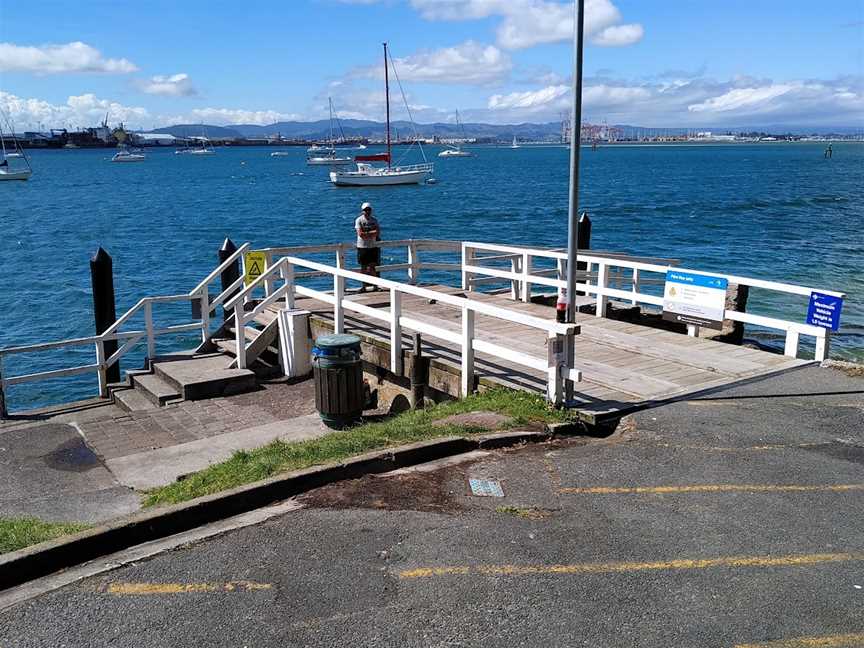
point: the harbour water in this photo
(773, 211)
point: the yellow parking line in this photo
(831, 641)
(146, 589)
(619, 567)
(713, 488)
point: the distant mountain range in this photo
(358, 128)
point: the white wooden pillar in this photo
(467, 259)
(240, 335)
(526, 271)
(413, 263)
(103, 370)
(556, 353)
(338, 312)
(602, 281)
(823, 345)
(287, 272)
(692, 330)
(515, 284)
(467, 351)
(268, 282)
(636, 286)
(791, 347)
(395, 332)
(148, 326)
(205, 314)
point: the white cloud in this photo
(693, 102)
(531, 100)
(469, 63)
(228, 116)
(60, 59)
(175, 85)
(78, 111)
(526, 23)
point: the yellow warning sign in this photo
(255, 264)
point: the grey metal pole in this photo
(575, 143)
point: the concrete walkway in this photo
(84, 463)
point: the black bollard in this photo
(102, 279)
(419, 374)
(229, 274)
(583, 242)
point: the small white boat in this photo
(368, 176)
(328, 160)
(280, 154)
(8, 172)
(317, 149)
(455, 152)
(129, 156)
(21, 174)
(202, 151)
(514, 144)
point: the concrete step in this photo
(155, 389)
(132, 400)
(205, 376)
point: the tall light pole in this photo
(575, 143)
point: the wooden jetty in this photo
(482, 322)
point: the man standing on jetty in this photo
(368, 235)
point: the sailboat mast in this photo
(387, 101)
(330, 101)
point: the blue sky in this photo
(648, 62)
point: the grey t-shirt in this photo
(366, 223)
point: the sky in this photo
(652, 63)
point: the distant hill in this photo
(358, 128)
(197, 130)
(320, 130)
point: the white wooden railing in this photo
(558, 365)
(597, 283)
(127, 340)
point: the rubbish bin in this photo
(338, 373)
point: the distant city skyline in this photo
(651, 64)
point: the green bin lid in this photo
(335, 342)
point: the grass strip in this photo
(245, 467)
(17, 533)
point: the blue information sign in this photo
(824, 310)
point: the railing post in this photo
(101, 372)
(791, 347)
(340, 256)
(287, 273)
(526, 271)
(338, 296)
(102, 279)
(515, 284)
(4, 413)
(268, 282)
(413, 263)
(230, 274)
(636, 286)
(602, 280)
(823, 345)
(467, 259)
(557, 354)
(395, 332)
(148, 325)
(205, 313)
(467, 351)
(240, 335)
(570, 360)
(692, 330)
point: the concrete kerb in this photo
(40, 560)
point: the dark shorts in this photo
(369, 256)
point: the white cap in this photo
(365, 205)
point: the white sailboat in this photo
(129, 155)
(456, 151)
(514, 144)
(367, 175)
(10, 173)
(194, 150)
(327, 156)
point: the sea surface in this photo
(773, 211)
